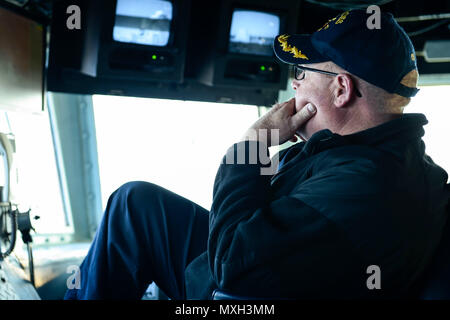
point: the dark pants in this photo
(147, 234)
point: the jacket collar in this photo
(409, 125)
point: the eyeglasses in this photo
(300, 75)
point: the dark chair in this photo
(434, 284)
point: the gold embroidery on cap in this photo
(327, 24)
(342, 17)
(292, 49)
(413, 58)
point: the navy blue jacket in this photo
(338, 205)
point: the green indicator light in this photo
(263, 68)
(154, 57)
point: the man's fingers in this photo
(288, 103)
(303, 115)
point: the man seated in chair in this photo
(358, 196)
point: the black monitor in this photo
(253, 32)
(22, 47)
(143, 22)
(144, 40)
(238, 50)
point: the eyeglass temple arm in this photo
(329, 73)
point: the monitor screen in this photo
(21, 62)
(145, 22)
(252, 32)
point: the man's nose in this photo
(295, 84)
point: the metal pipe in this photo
(424, 17)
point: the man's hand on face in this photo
(281, 117)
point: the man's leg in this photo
(147, 234)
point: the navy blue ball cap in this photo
(381, 56)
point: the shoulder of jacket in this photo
(349, 155)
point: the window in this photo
(179, 144)
(34, 179)
(432, 101)
(175, 144)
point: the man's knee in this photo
(137, 187)
(134, 197)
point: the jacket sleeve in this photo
(249, 231)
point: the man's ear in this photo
(344, 90)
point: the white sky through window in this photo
(175, 144)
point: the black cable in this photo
(31, 263)
(22, 222)
(24, 226)
(429, 28)
(12, 238)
